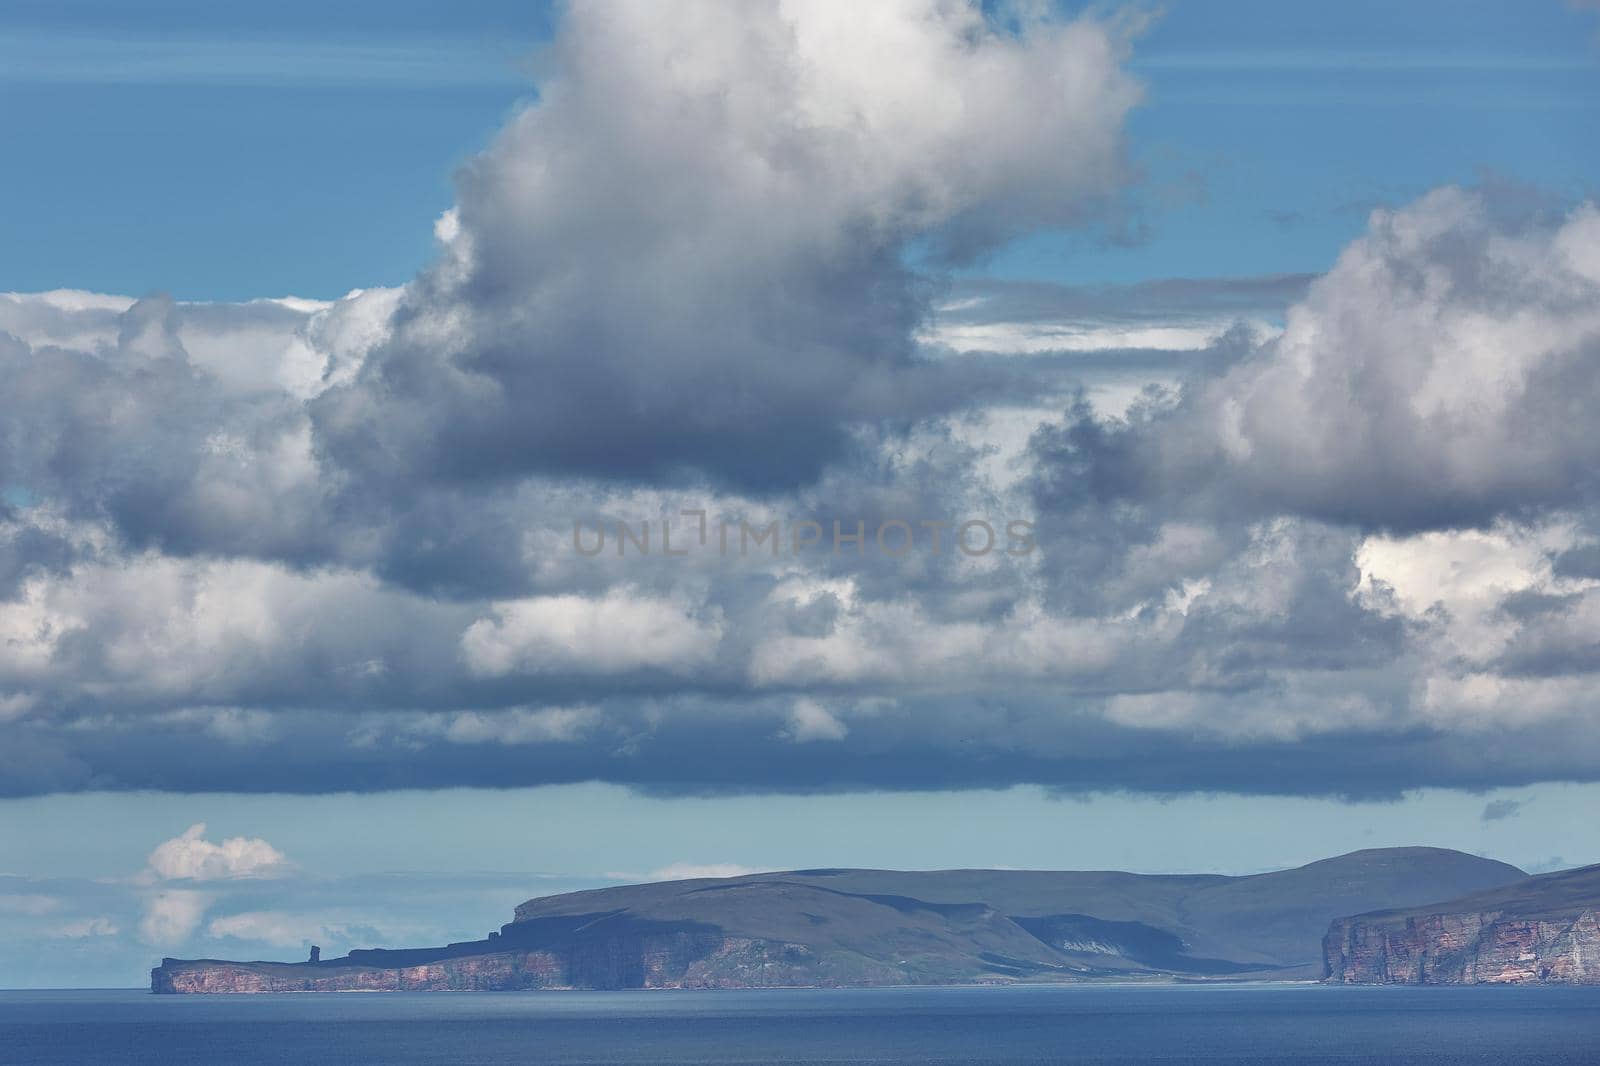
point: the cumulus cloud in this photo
(1333, 534)
(1167, 634)
(738, 319)
(171, 917)
(1435, 377)
(183, 426)
(192, 857)
(1383, 489)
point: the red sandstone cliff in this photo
(1542, 930)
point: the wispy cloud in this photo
(64, 58)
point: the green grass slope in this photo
(1545, 897)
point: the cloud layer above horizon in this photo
(1333, 535)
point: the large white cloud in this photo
(1440, 373)
(690, 256)
(191, 857)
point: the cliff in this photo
(884, 927)
(682, 959)
(1545, 929)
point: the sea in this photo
(1263, 1024)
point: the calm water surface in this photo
(1299, 1025)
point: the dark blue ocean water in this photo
(1123, 1025)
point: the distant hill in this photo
(1266, 920)
(860, 927)
(1543, 929)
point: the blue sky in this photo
(450, 865)
(321, 138)
(265, 570)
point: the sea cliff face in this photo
(1464, 949)
(1543, 930)
(505, 971)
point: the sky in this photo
(1261, 339)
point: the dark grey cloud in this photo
(690, 747)
(1500, 810)
(1579, 562)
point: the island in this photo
(842, 928)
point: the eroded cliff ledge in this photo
(1545, 930)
